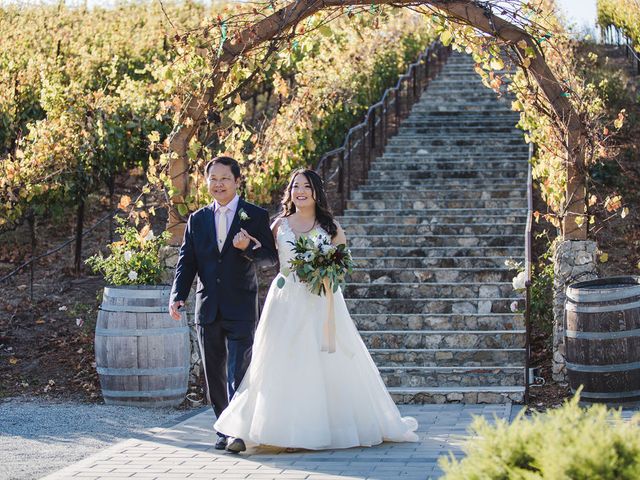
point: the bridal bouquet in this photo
(320, 264)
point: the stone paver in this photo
(186, 451)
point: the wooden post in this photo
(77, 263)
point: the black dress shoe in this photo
(236, 445)
(221, 443)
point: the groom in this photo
(223, 244)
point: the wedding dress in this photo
(295, 395)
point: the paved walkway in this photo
(186, 451)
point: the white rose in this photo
(308, 256)
(514, 306)
(518, 281)
(327, 248)
(127, 255)
(133, 275)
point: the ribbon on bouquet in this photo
(329, 325)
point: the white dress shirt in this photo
(232, 206)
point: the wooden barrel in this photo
(142, 354)
(602, 338)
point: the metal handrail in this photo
(366, 140)
(528, 272)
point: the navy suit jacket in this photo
(227, 280)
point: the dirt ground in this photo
(46, 343)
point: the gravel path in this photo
(38, 437)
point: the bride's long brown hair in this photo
(323, 212)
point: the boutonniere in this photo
(243, 215)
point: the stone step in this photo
(470, 96)
(443, 339)
(434, 138)
(462, 90)
(471, 188)
(482, 194)
(465, 120)
(433, 274)
(435, 228)
(460, 124)
(439, 321)
(431, 213)
(427, 149)
(427, 157)
(448, 357)
(434, 129)
(458, 290)
(518, 150)
(394, 175)
(448, 109)
(431, 305)
(450, 69)
(438, 203)
(425, 116)
(419, 109)
(451, 376)
(438, 265)
(508, 219)
(452, 251)
(471, 102)
(410, 150)
(435, 240)
(457, 58)
(413, 128)
(479, 394)
(457, 89)
(444, 164)
(457, 182)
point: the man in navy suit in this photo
(223, 245)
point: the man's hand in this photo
(242, 239)
(174, 309)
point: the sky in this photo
(580, 12)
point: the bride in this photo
(294, 394)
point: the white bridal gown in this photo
(295, 395)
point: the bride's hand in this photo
(242, 239)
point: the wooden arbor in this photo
(468, 12)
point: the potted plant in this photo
(142, 354)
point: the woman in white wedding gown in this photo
(294, 394)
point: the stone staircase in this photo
(430, 230)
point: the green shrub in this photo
(569, 443)
(542, 290)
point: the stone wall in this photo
(574, 261)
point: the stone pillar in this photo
(169, 259)
(574, 261)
